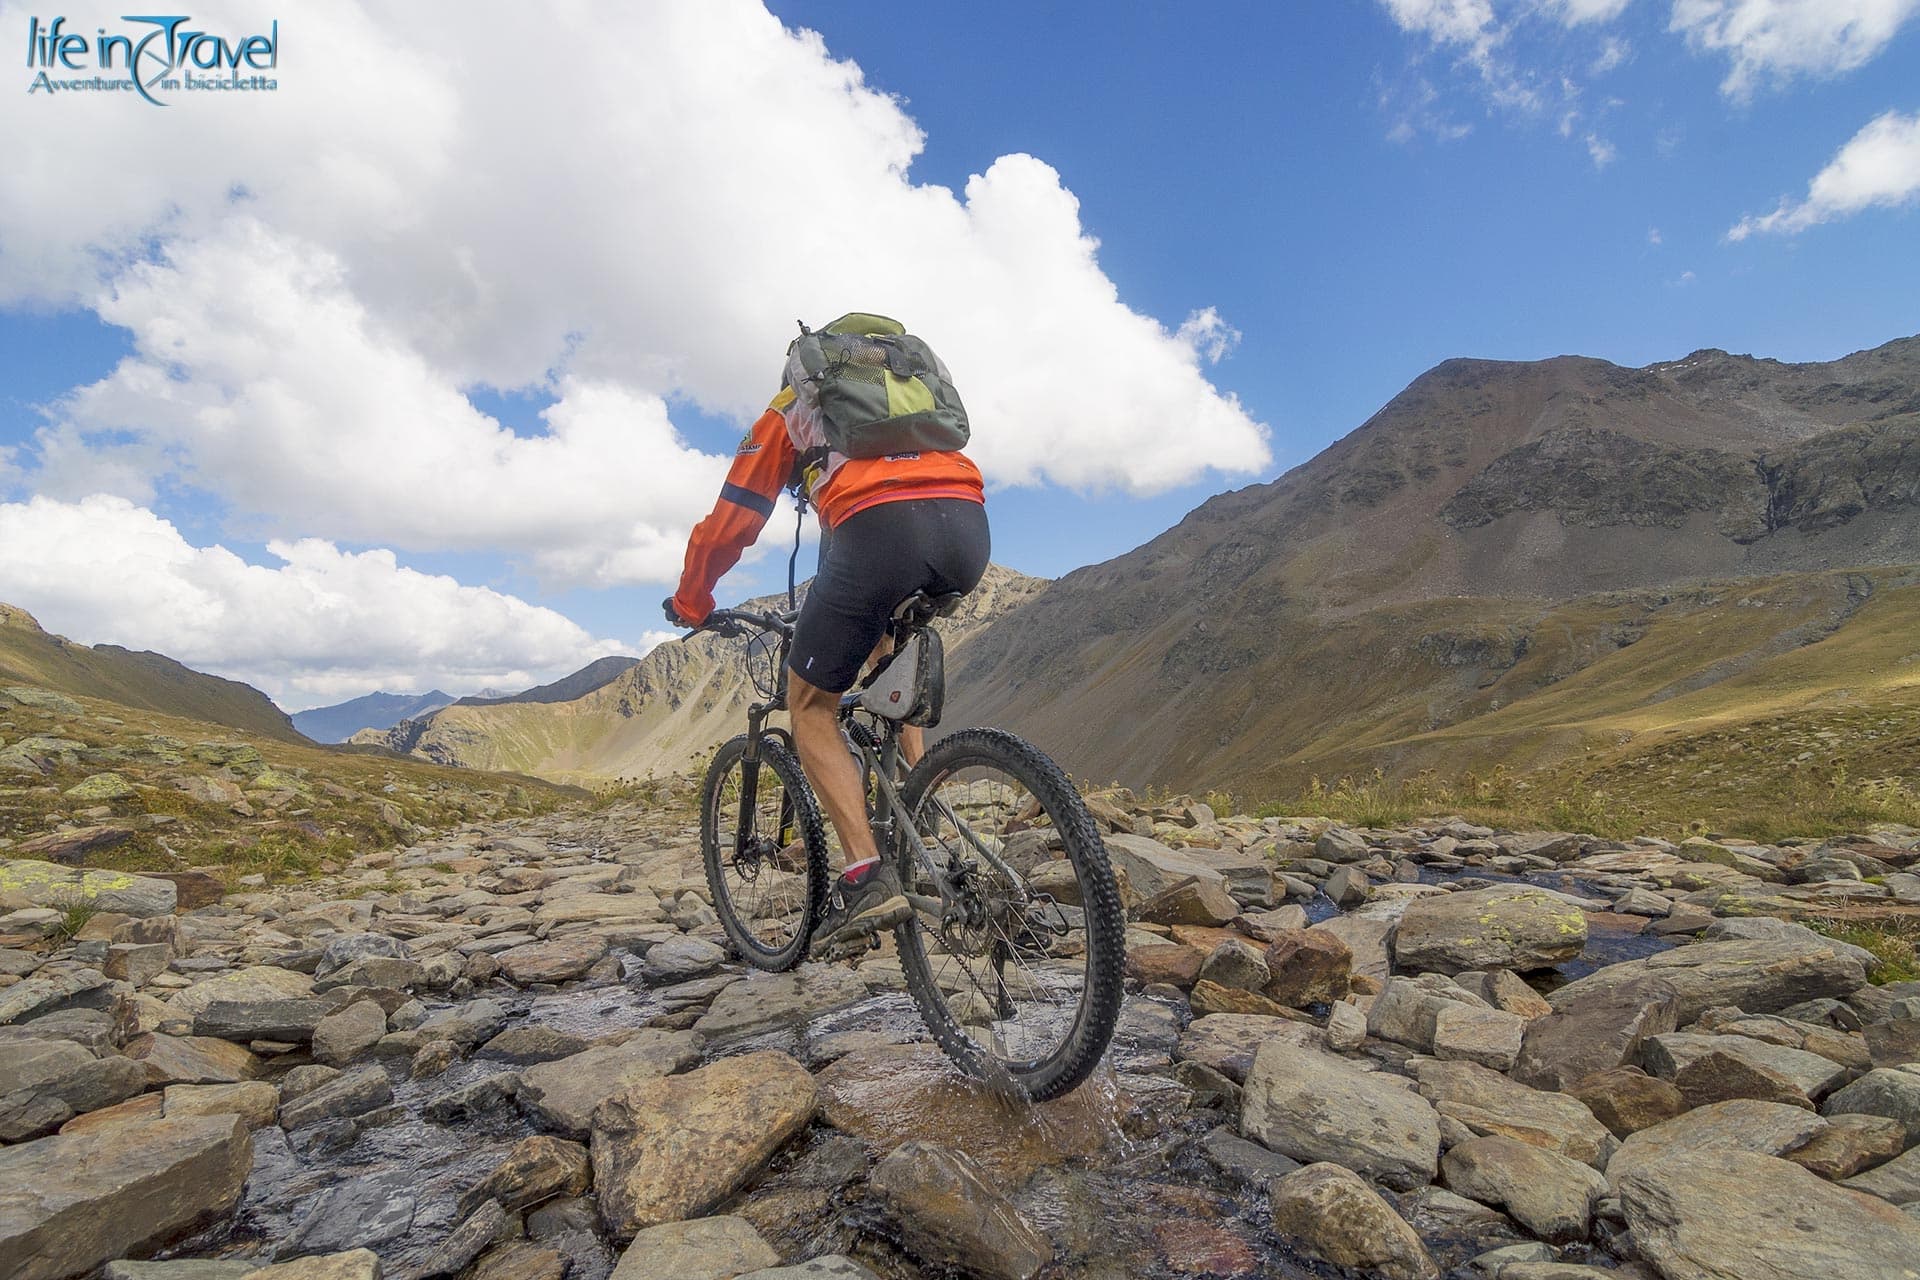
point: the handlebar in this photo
(731, 622)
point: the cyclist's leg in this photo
(823, 755)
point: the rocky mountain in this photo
(565, 689)
(657, 716)
(342, 720)
(32, 656)
(1508, 563)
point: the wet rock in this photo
(192, 1059)
(305, 1079)
(696, 1249)
(465, 1243)
(1759, 976)
(1849, 1144)
(1545, 1192)
(468, 1024)
(1892, 1092)
(375, 971)
(1334, 1216)
(1308, 967)
(1488, 1103)
(674, 1147)
(357, 1214)
(555, 960)
(248, 1020)
(950, 1214)
(562, 1094)
(519, 1260)
(254, 1101)
(432, 1058)
(832, 1266)
(889, 1096)
(27, 882)
(1244, 1162)
(489, 1095)
(1627, 1099)
(527, 1045)
(340, 1038)
(349, 1095)
(776, 999)
(680, 960)
(70, 1203)
(1505, 927)
(1597, 1031)
(1763, 1128)
(1708, 1215)
(536, 1170)
(1311, 1106)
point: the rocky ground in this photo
(515, 1051)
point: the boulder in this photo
(1720, 1067)
(1227, 1042)
(680, 960)
(1897, 1181)
(254, 984)
(192, 1059)
(1236, 963)
(1366, 940)
(1490, 1037)
(288, 1021)
(1545, 1192)
(346, 1096)
(1152, 868)
(562, 1094)
(1708, 1215)
(1893, 1092)
(1627, 1099)
(674, 1147)
(1757, 975)
(764, 1000)
(1191, 901)
(354, 1264)
(1332, 1215)
(254, 1101)
(1488, 1103)
(951, 1215)
(1407, 1010)
(555, 960)
(1743, 1125)
(341, 1037)
(1849, 1144)
(1310, 1105)
(70, 1203)
(718, 1248)
(1505, 927)
(26, 882)
(1307, 966)
(1597, 1031)
(536, 1170)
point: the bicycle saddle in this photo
(920, 608)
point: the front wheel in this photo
(1017, 970)
(764, 851)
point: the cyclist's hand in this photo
(673, 614)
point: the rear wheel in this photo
(1019, 979)
(764, 851)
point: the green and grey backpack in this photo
(866, 388)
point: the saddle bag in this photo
(912, 685)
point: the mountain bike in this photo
(1013, 953)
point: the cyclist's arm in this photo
(760, 470)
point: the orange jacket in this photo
(764, 465)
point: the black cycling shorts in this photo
(872, 561)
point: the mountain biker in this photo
(890, 526)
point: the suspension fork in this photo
(750, 779)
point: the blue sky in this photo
(1357, 190)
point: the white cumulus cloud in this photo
(625, 206)
(1878, 167)
(323, 625)
(1773, 41)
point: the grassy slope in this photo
(31, 656)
